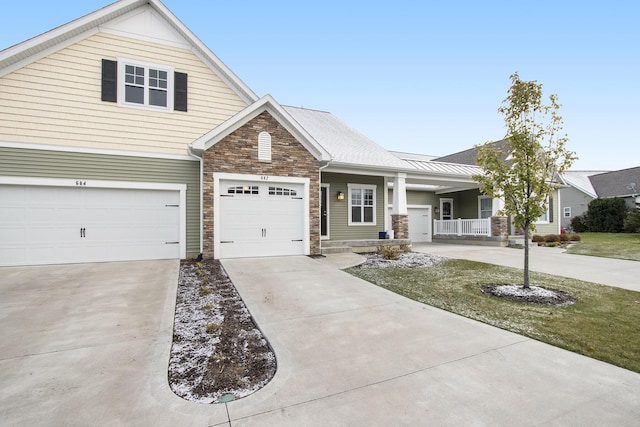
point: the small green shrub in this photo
(552, 244)
(632, 222)
(205, 290)
(405, 248)
(389, 252)
(580, 223)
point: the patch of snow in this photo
(405, 260)
(519, 291)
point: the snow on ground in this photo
(406, 260)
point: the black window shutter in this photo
(550, 209)
(180, 91)
(109, 81)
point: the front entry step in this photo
(337, 250)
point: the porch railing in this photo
(463, 227)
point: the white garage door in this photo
(419, 223)
(56, 225)
(261, 219)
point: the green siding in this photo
(61, 164)
(465, 203)
(339, 228)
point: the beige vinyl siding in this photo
(339, 228)
(58, 164)
(551, 227)
(57, 100)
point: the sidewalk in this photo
(606, 271)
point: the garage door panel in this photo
(42, 225)
(269, 222)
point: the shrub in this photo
(552, 238)
(405, 248)
(632, 222)
(580, 223)
(537, 238)
(564, 237)
(574, 237)
(389, 252)
(607, 215)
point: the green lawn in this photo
(609, 245)
(603, 324)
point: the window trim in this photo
(350, 188)
(480, 199)
(121, 86)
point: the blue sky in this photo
(414, 76)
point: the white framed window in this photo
(485, 207)
(362, 204)
(144, 84)
(567, 212)
(547, 217)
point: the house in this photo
(124, 137)
(624, 184)
(575, 194)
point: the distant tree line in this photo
(607, 216)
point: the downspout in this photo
(200, 178)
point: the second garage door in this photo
(57, 225)
(261, 219)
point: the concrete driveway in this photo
(88, 344)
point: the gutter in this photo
(200, 178)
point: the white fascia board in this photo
(266, 103)
(66, 31)
(30, 50)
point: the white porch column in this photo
(399, 195)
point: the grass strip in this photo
(604, 324)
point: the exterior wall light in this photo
(436, 210)
(340, 195)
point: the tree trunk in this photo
(526, 256)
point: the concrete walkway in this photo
(89, 344)
(606, 271)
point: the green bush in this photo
(632, 222)
(607, 215)
(580, 223)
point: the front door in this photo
(446, 209)
(324, 212)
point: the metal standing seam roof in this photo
(443, 167)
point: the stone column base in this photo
(400, 225)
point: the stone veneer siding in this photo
(400, 225)
(499, 226)
(238, 153)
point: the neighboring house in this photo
(549, 223)
(123, 137)
(624, 184)
(575, 195)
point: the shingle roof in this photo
(625, 182)
(580, 180)
(467, 157)
(345, 144)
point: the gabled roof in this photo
(622, 183)
(268, 104)
(470, 156)
(32, 49)
(580, 181)
(345, 144)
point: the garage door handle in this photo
(171, 243)
(226, 241)
(299, 240)
(83, 232)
